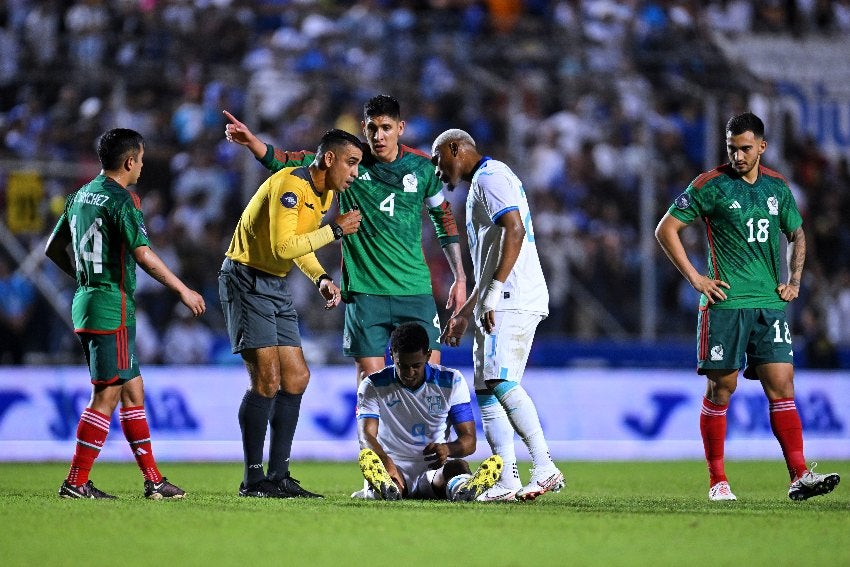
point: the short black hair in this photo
(410, 337)
(382, 105)
(745, 122)
(335, 140)
(116, 145)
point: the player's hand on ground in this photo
(236, 131)
(350, 221)
(436, 453)
(194, 301)
(788, 292)
(330, 292)
(454, 330)
(712, 289)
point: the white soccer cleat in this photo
(721, 491)
(365, 494)
(544, 480)
(500, 493)
(813, 484)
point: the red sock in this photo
(712, 427)
(786, 426)
(91, 434)
(136, 430)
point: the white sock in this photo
(500, 435)
(523, 417)
(454, 485)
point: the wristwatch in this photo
(337, 230)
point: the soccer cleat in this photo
(813, 484)
(365, 494)
(721, 491)
(485, 476)
(291, 488)
(163, 490)
(377, 476)
(545, 480)
(261, 489)
(87, 490)
(499, 493)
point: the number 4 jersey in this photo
(106, 225)
(743, 224)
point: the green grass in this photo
(612, 513)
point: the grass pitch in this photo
(612, 513)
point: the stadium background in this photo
(605, 109)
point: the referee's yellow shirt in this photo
(281, 225)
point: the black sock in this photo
(254, 421)
(283, 420)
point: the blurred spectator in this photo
(17, 303)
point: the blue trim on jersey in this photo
(365, 415)
(503, 388)
(461, 413)
(383, 378)
(480, 164)
(503, 373)
(485, 400)
(442, 378)
(498, 215)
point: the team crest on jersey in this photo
(435, 404)
(410, 183)
(717, 352)
(683, 201)
(772, 205)
(289, 199)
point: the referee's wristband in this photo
(337, 230)
(322, 277)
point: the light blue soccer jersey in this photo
(410, 419)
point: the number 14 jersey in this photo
(106, 224)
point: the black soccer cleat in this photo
(163, 490)
(87, 490)
(261, 489)
(291, 488)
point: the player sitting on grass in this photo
(403, 415)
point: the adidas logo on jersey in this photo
(365, 176)
(735, 205)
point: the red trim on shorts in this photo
(122, 348)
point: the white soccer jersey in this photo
(410, 419)
(494, 191)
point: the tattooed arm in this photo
(796, 259)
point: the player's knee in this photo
(454, 467)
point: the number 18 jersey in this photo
(743, 226)
(106, 225)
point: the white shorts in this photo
(417, 477)
(503, 354)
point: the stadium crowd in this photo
(583, 96)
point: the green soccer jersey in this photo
(743, 225)
(106, 225)
(385, 256)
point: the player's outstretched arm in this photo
(457, 291)
(156, 268)
(236, 131)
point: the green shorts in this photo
(111, 357)
(370, 319)
(726, 336)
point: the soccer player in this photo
(404, 414)
(280, 228)
(745, 207)
(385, 280)
(509, 300)
(103, 224)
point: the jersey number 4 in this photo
(89, 248)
